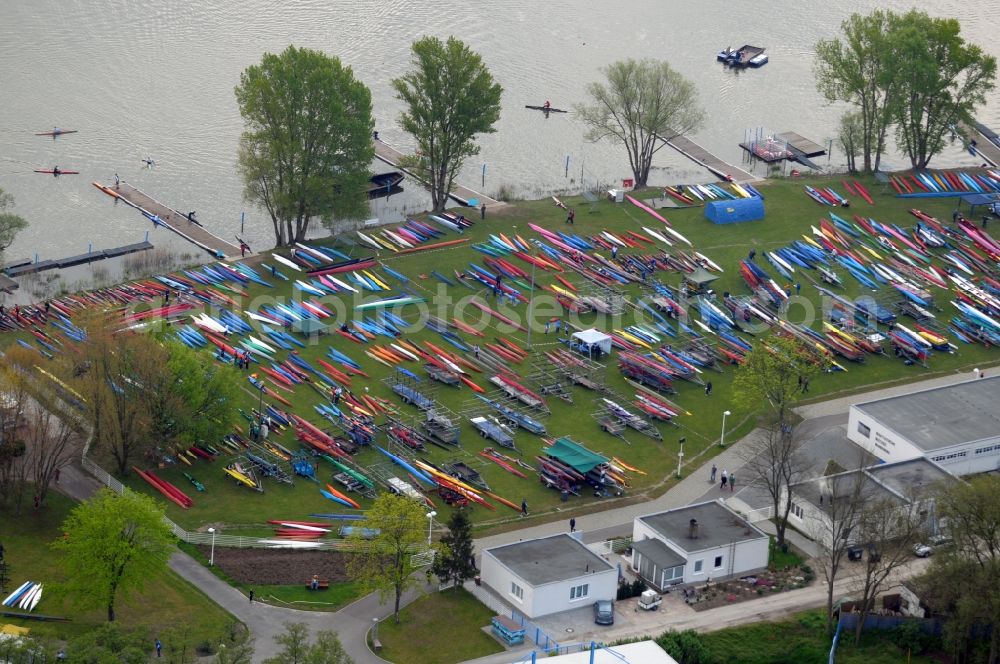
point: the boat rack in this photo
(549, 380)
(411, 389)
(441, 426)
(615, 412)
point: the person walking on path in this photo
(725, 478)
(524, 507)
(250, 595)
(732, 482)
(572, 525)
(159, 648)
(711, 478)
(570, 216)
(708, 388)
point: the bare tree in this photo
(51, 443)
(13, 470)
(774, 461)
(889, 527)
(842, 498)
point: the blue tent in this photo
(735, 211)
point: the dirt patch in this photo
(279, 568)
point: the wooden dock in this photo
(459, 193)
(170, 218)
(802, 144)
(700, 155)
(987, 140)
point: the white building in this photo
(641, 652)
(902, 484)
(548, 575)
(695, 544)
(955, 426)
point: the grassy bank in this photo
(420, 639)
(235, 510)
(164, 606)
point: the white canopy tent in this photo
(593, 342)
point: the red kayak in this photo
(52, 171)
(57, 132)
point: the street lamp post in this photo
(430, 526)
(211, 556)
(722, 438)
(680, 456)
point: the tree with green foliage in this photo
(296, 648)
(306, 149)
(641, 104)
(774, 376)
(686, 647)
(109, 644)
(859, 69)
(850, 137)
(945, 80)
(191, 401)
(963, 581)
(10, 223)
(112, 545)
(449, 97)
(384, 562)
(455, 561)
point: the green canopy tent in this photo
(698, 281)
(309, 327)
(574, 455)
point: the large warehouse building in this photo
(956, 426)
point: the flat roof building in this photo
(956, 426)
(696, 543)
(548, 575)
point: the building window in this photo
(517, 591)
(864, 430)
(797, 511)
(697, 566)
(718, 562)
(579, 592)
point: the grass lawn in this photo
(802, 641)
(235, 510)
(778, 559)
(166, 604)
(420, 639)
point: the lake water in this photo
(142, 78)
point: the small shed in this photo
(735, 211)
(593, 341)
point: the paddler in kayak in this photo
(547, 105)
(149, 162)
(55, 171)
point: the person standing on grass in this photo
(708, 388)
(524, 507)
(159, 648)
(571, 216)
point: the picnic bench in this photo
(323, 584)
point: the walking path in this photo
(353, 621)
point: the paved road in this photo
(352, 622)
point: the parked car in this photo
(604, 612)
(922, 550)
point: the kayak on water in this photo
(56, 171)
(55, 132)
(547, 110)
